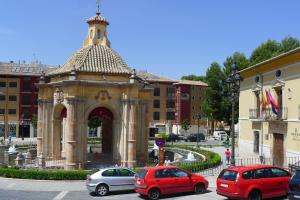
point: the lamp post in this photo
(233, 82)
(198, 118)
(22, 125)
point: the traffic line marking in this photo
(61, 195)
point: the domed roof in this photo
(97, 19)
(95, 58)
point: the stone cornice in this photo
(72, 100)
(41, 101)
(130, 101)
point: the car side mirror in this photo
(189, 175)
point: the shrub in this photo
(43, 174)
(212, 159)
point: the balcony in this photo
(268, 114)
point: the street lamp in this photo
(22, 125)
(198, 118)
(233, 82)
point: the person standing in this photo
(227, 154)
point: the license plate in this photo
(224, 185)
(297, 196)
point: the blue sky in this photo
(166, 37)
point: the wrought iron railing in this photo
(269, 114)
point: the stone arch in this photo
(59, 128)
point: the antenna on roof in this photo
(98, 7)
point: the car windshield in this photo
(228, 175)
(142, 174)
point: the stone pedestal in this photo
(41, 161)
(28, 158)
(19, 160)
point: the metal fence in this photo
(289, 163)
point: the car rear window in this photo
(228, 175)
(297, 174)
(142, 174)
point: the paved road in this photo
(17, 189)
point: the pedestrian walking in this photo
(227, 154)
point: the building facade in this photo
(174, 102)
(18, 98)
(269, 115)
(94, 83)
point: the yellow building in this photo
(272, 133)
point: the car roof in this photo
(160, 167)
(248, 167)
(116, 167)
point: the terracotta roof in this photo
(152, 77)
(95, 58)
(188, 82)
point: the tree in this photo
(242, 62)
(185, 124)
(289, 43)
(193, 77)
(265, 51)
(213, 101)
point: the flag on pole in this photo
(264, 102)
(273, 102)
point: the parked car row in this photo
(151, 182)
(253, 182)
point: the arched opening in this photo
(59, 131)
(100, 135)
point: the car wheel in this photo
(254, 195)
(199, 188)
(102, 190)
(153, 194)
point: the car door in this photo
(165, 181)
(263, 178)
(281, 178)
(126, 179)
(182, 181)
(111, 178)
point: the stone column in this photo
(124, 132)
(71, 156)
(131, 162)
(40, 126)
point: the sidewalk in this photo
(56, 186)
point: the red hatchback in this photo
(253, 182)
(156, 181)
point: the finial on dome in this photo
(98, 7)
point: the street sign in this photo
(160, 142)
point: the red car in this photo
(156, 181)
(253, 182)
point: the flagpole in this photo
(261, 156)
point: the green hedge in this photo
(212, 159)
(43, 174)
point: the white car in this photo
(220, 135)
(111, 179)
